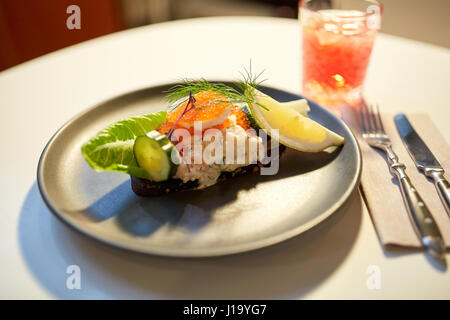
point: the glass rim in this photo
(362, 17)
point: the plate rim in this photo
(201, 252)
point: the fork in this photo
(424, 224)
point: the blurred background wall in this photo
(30, 28)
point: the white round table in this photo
(333, 260)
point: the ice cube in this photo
(327, 38)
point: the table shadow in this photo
(290, 269)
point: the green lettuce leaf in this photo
(112, 148)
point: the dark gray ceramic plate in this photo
(241, 214)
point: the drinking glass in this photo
(338, 36)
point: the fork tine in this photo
(380, 122)
(373, 123)
(366, 120)
(362, 120)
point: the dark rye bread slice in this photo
(147, 188)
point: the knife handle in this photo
(442, 185)
(424, 222)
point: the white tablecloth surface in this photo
(333, 260)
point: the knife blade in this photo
(423, 158)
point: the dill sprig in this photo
(250, 80)
(245, 94)
(249, 83)
(182, 90)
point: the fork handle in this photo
(424, 222)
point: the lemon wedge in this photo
(296, 130)
(301, 106)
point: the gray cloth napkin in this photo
(380, 187)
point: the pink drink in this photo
(336, 52)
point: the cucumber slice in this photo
(153, 154)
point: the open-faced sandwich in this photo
(209, 133)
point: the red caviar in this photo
(208, 105)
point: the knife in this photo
(423, 158)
